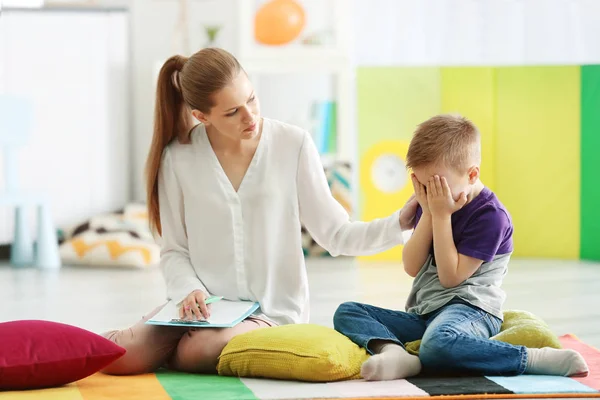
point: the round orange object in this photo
(278, 22)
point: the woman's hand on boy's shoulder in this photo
(408, 214)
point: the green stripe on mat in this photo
(590, 162)
(193, 386)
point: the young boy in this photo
(458, 255)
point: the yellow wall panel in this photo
(470, 91)
(538, 157)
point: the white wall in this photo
(388, 32)
(475, 32)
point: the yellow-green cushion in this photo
(519, 328)
(303, 352)
(525, 329)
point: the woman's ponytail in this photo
(171, 120)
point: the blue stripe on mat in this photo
(537, 384)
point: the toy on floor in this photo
(121, 239)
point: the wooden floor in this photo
(565, 294)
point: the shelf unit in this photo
(334, 58)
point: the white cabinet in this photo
(73, 65)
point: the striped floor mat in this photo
(178, 386)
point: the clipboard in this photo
(224, 314)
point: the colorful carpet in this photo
(179, 386)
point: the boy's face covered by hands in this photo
(442, 190)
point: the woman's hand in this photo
(408, 213)
(193, 307)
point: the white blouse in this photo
(247, 244)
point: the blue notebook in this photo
(223, 314)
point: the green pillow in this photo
(519, 328)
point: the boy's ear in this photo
(473, 174)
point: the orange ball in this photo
(278, 22)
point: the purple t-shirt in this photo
(482, 229)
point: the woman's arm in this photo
(177, 269)
(328, 222)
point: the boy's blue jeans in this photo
(455, 338)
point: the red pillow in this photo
(40, 354)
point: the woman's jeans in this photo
(455, 338)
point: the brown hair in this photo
(449, 139)
(184, 84)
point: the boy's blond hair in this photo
(449, 139)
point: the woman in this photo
(228, 197)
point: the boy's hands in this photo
(420, 194)
(439, 198)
